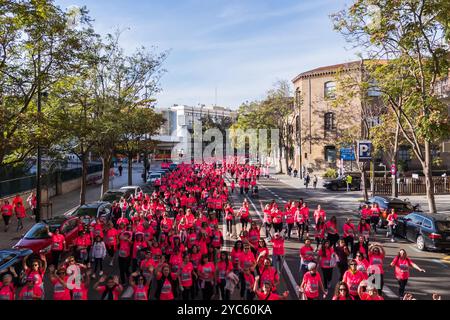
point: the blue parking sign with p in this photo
(364, 150)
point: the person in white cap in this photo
(312, 283)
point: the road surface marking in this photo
(285, 265)
(441, 263)
(388, 292)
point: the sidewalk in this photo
(64, 203)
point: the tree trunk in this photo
(363, 182)
(83, 179)
(106, 161)
(279, 158)
(286, 156)
(427, 170)
(130, 169)
(395, 162)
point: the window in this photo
(373, 121)
(330, 124)
(427, 223)
(330, 154)
(330, 90)
(403, 154)
(374, 89)
(417, 220)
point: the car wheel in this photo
(420, 243)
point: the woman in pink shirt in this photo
(349, 234)
(278, 251)
(353, 277)
(392, 220)
(402, 264)
(327, 262)
(341, 292)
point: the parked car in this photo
(132, 189)
(341, 184)
(93, 210)
(429, 232)
(387, 203)
(153, 177)
(115, 195)
(38, 240)
(13, 258)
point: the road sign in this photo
(393, 169)
(347, 154)
(364, 150)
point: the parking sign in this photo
(364, 150)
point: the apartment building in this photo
(318, 124)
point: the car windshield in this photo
(111, 196)
(154, 176)
(39, 231)
(81, 212)
(5, 257)
(399, 206)
(443, 226)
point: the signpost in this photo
(364, 150)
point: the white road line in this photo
(388, 292)
(415, 249)
(440, 263)
(285, 265)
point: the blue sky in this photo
(239, 46)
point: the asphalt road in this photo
(421, 285)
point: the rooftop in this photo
(327, 69)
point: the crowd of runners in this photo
(169, 245)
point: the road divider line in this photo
(285, 265)
(388, 292)
(440, 263)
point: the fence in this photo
(409, 186)
(23, 184)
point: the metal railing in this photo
(409, 186)
(27, 183)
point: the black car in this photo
(341, 184)
(430, 232)
(401, 207)
(93, 210)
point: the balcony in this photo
(443, 89)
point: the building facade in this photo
(180, 121)
(319, 124)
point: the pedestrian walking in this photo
(120, 169)
(20, 215)
(349, 181)
(315, 179)
(7, 211)
(98, 254)
(307, 180)
(402, 264)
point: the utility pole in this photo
(39, 150)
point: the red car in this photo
(38, 240)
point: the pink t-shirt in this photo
(402, 268)
(312, 285)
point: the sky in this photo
(238, 48)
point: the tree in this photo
(140, 124)
(36, 48)
(121, 83)
(271, 113)
(410, 35)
